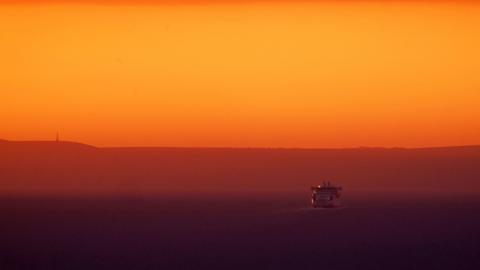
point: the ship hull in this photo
(326, 204)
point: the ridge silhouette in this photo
(71, 167)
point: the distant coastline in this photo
(49, 166)
(38, 142)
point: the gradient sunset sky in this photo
(232, 73)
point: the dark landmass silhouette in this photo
(64, 167)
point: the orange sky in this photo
(262, 74)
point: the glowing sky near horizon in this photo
(262, 74)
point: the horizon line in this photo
(250, 148)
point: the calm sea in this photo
(275, 231)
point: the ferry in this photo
(326, 195)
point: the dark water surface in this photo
(239, 232)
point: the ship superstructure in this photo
(326, 195)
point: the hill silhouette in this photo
(69, 167)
